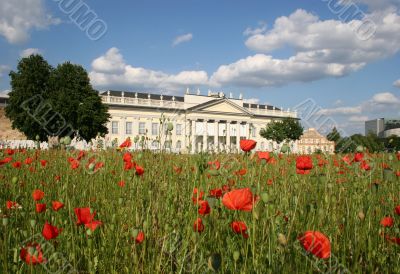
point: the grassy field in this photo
(146, 206)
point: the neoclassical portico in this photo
(210, 122)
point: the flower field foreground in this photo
(138, 212)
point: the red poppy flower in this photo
(204, 208)
(358, 157)
(398, 173)
(84, 216)
(397, 210)
(239, 199)
(43, 163)
(216, 193)
(37, 195)
(57, 177)
(32, 254)
(28, 161)
(140, 237)
(129, 165)
(197, 197)
(198, 225)
(127, 157)
(50, 232)
(241, 172)
(57, 205)
(178, 170)
(9, 151)
(364, 165)
(139, 170)
(81, 155)
(98, 165)
(303, 163)
(387, 222)
(40, 208)
(12, 205)
(5, 161)
(121, 183)
(316, 243)
(240, 228)
(215, 165)
(74, 164)
(263, 155)
(17, 164)
(93, 225)
(398, 155)
(393, 239)
(127, 143)
(247, 145)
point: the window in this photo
(142, 129)
(178, 129)
(154, 129)
(179, 145)
(114, 127)
(128, 128)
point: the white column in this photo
(238, 136)
(228, 135)
(205, 135)
(193, 136)
(247, 129)
(187, 134)
(216, 134)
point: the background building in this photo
(212, 122)
(383, 127)
(311, 141)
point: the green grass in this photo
(160, 204)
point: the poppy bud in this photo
(284, 148)
(282, 239)
(256, 215)
(33, 223)
(391, 157)
(120, 200)
(236, 256)
(37, 137)
(88, 232)
(135, 232)
(360, 149)
(361, 215)
(91, 166)
(5, 221)
(264, 197)
(67, 140)
(214, 262)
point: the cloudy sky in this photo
(337, 61)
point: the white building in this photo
(212, 122)
(312, 141)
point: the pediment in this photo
(221, 106)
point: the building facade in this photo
(212, 122)
(312, 141)
(383, 127)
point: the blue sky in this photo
(280, 53)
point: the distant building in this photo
(383, 127)
(312, 141)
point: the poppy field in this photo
(121, 211)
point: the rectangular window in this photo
(128, 128)
(178, 129)
(114, 127)
(142, 128)
(154, 129)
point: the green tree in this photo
(72, 95)
(54, 102)
(286, 130)
(25, 107)
(334, 135)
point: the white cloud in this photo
(374, 4)
(262, 27)
(19, 17)
(28, 52)
(182, 39)
(341, 111)
(110, 70)
(4, 93)
(397, 83)
(322, 48)
(358, 119)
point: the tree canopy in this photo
(288, 129)
(46, 101)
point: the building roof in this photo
(142, 95)
(246, 105)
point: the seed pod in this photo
(5, 221)
(282, 239)
(236, 255)
(33, 223)
(264, 197)
(14, 180)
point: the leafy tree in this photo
(288, 129)
(74, 99)
(28, 84)
(334, 135)
(54, 102)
